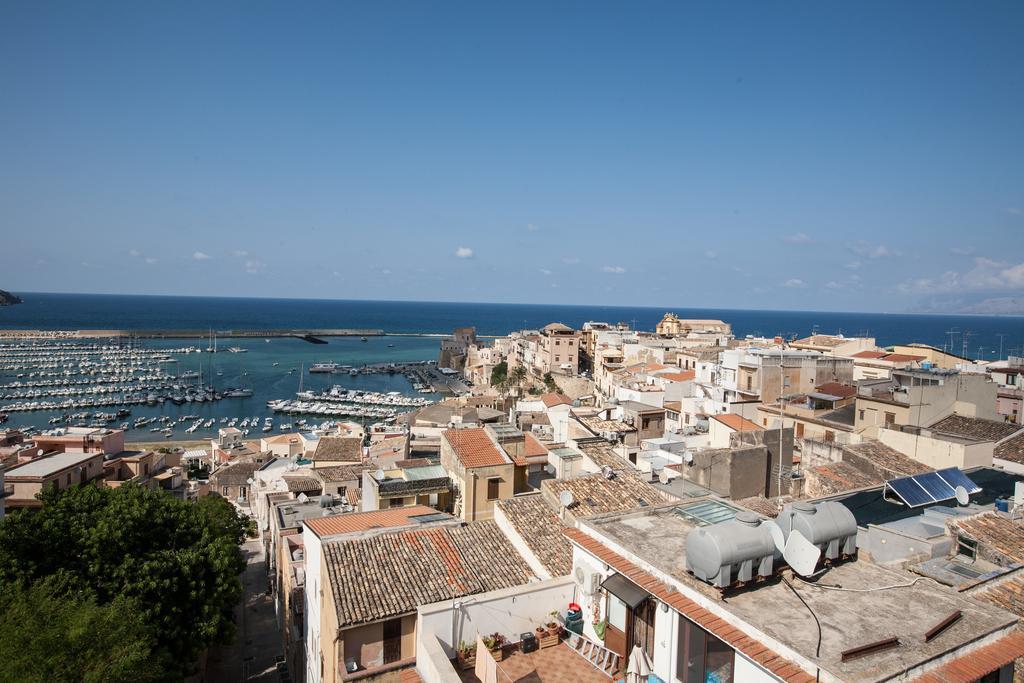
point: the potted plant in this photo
(554, 628)
(466, 656)
(495, 643)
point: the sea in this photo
(273, 368)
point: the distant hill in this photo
(8, 299)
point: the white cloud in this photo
(464, 252)
(1015, 211)
(872, 251)
(797, 238)
(985, 275)
(255, 267)
(793, 283)
(617, 270)
(832, 284)
(570, 260)
(530, 227)
(545, 271)
(150, 260)
(385, 271)
(709, 254)
(134, 253)
(961, 251)
(853, 265)
(241, 253)
(201, 256)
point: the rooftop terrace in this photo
(857, 602)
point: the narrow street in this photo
(257, 642)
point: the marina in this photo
(155, 388)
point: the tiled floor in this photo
(549, 665)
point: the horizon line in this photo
(668, 309)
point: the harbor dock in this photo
(305, 334)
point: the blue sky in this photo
(827, 156)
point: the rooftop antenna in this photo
(967, 336)
(952, 332)
(961, 496)
(800, 554)
(1001, 336)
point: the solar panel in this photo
(935, 485)
(931, 487)
(910, 492)
(954, 477)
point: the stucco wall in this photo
(510, 612)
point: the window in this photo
(749, 380)
(224, 491)
(701, 656)
(861, 414)
(890, 419)
(492, 488)
(830, 435)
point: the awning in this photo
(625, 590)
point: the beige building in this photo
(834, 344)
(671, 325)
(81, 440)
(60, 471)
(939, 358)
(559, 350)
(366, 574)
(920, 397)
(480, 471)
(408, 483)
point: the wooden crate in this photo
(549, 640)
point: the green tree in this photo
(499, 374)
(517, 376)
(50, 633)
(178, 561)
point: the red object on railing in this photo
(574, 607)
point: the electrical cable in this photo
(866, 590)
(817, 650)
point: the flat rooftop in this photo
(858, 615)
(51, 464)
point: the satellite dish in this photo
(961, 496)
(302, 498)
(777, 535)
(40, 452)
(379, 475)
(663, 477)
(565, 498)
(688, 458)
(801, 554)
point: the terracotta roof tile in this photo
(303, 484)
(391, 574)
(595, 494)
(837, 389)
(474, 447)
(552, 399)
(976, 663)
(683, 376)
(1012, 449)
(533, 447)
(364, 521)
(536, 522)
(976, 427)
(339, 449)
(738, 423)
(997, 534)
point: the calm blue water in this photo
(95, 311)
